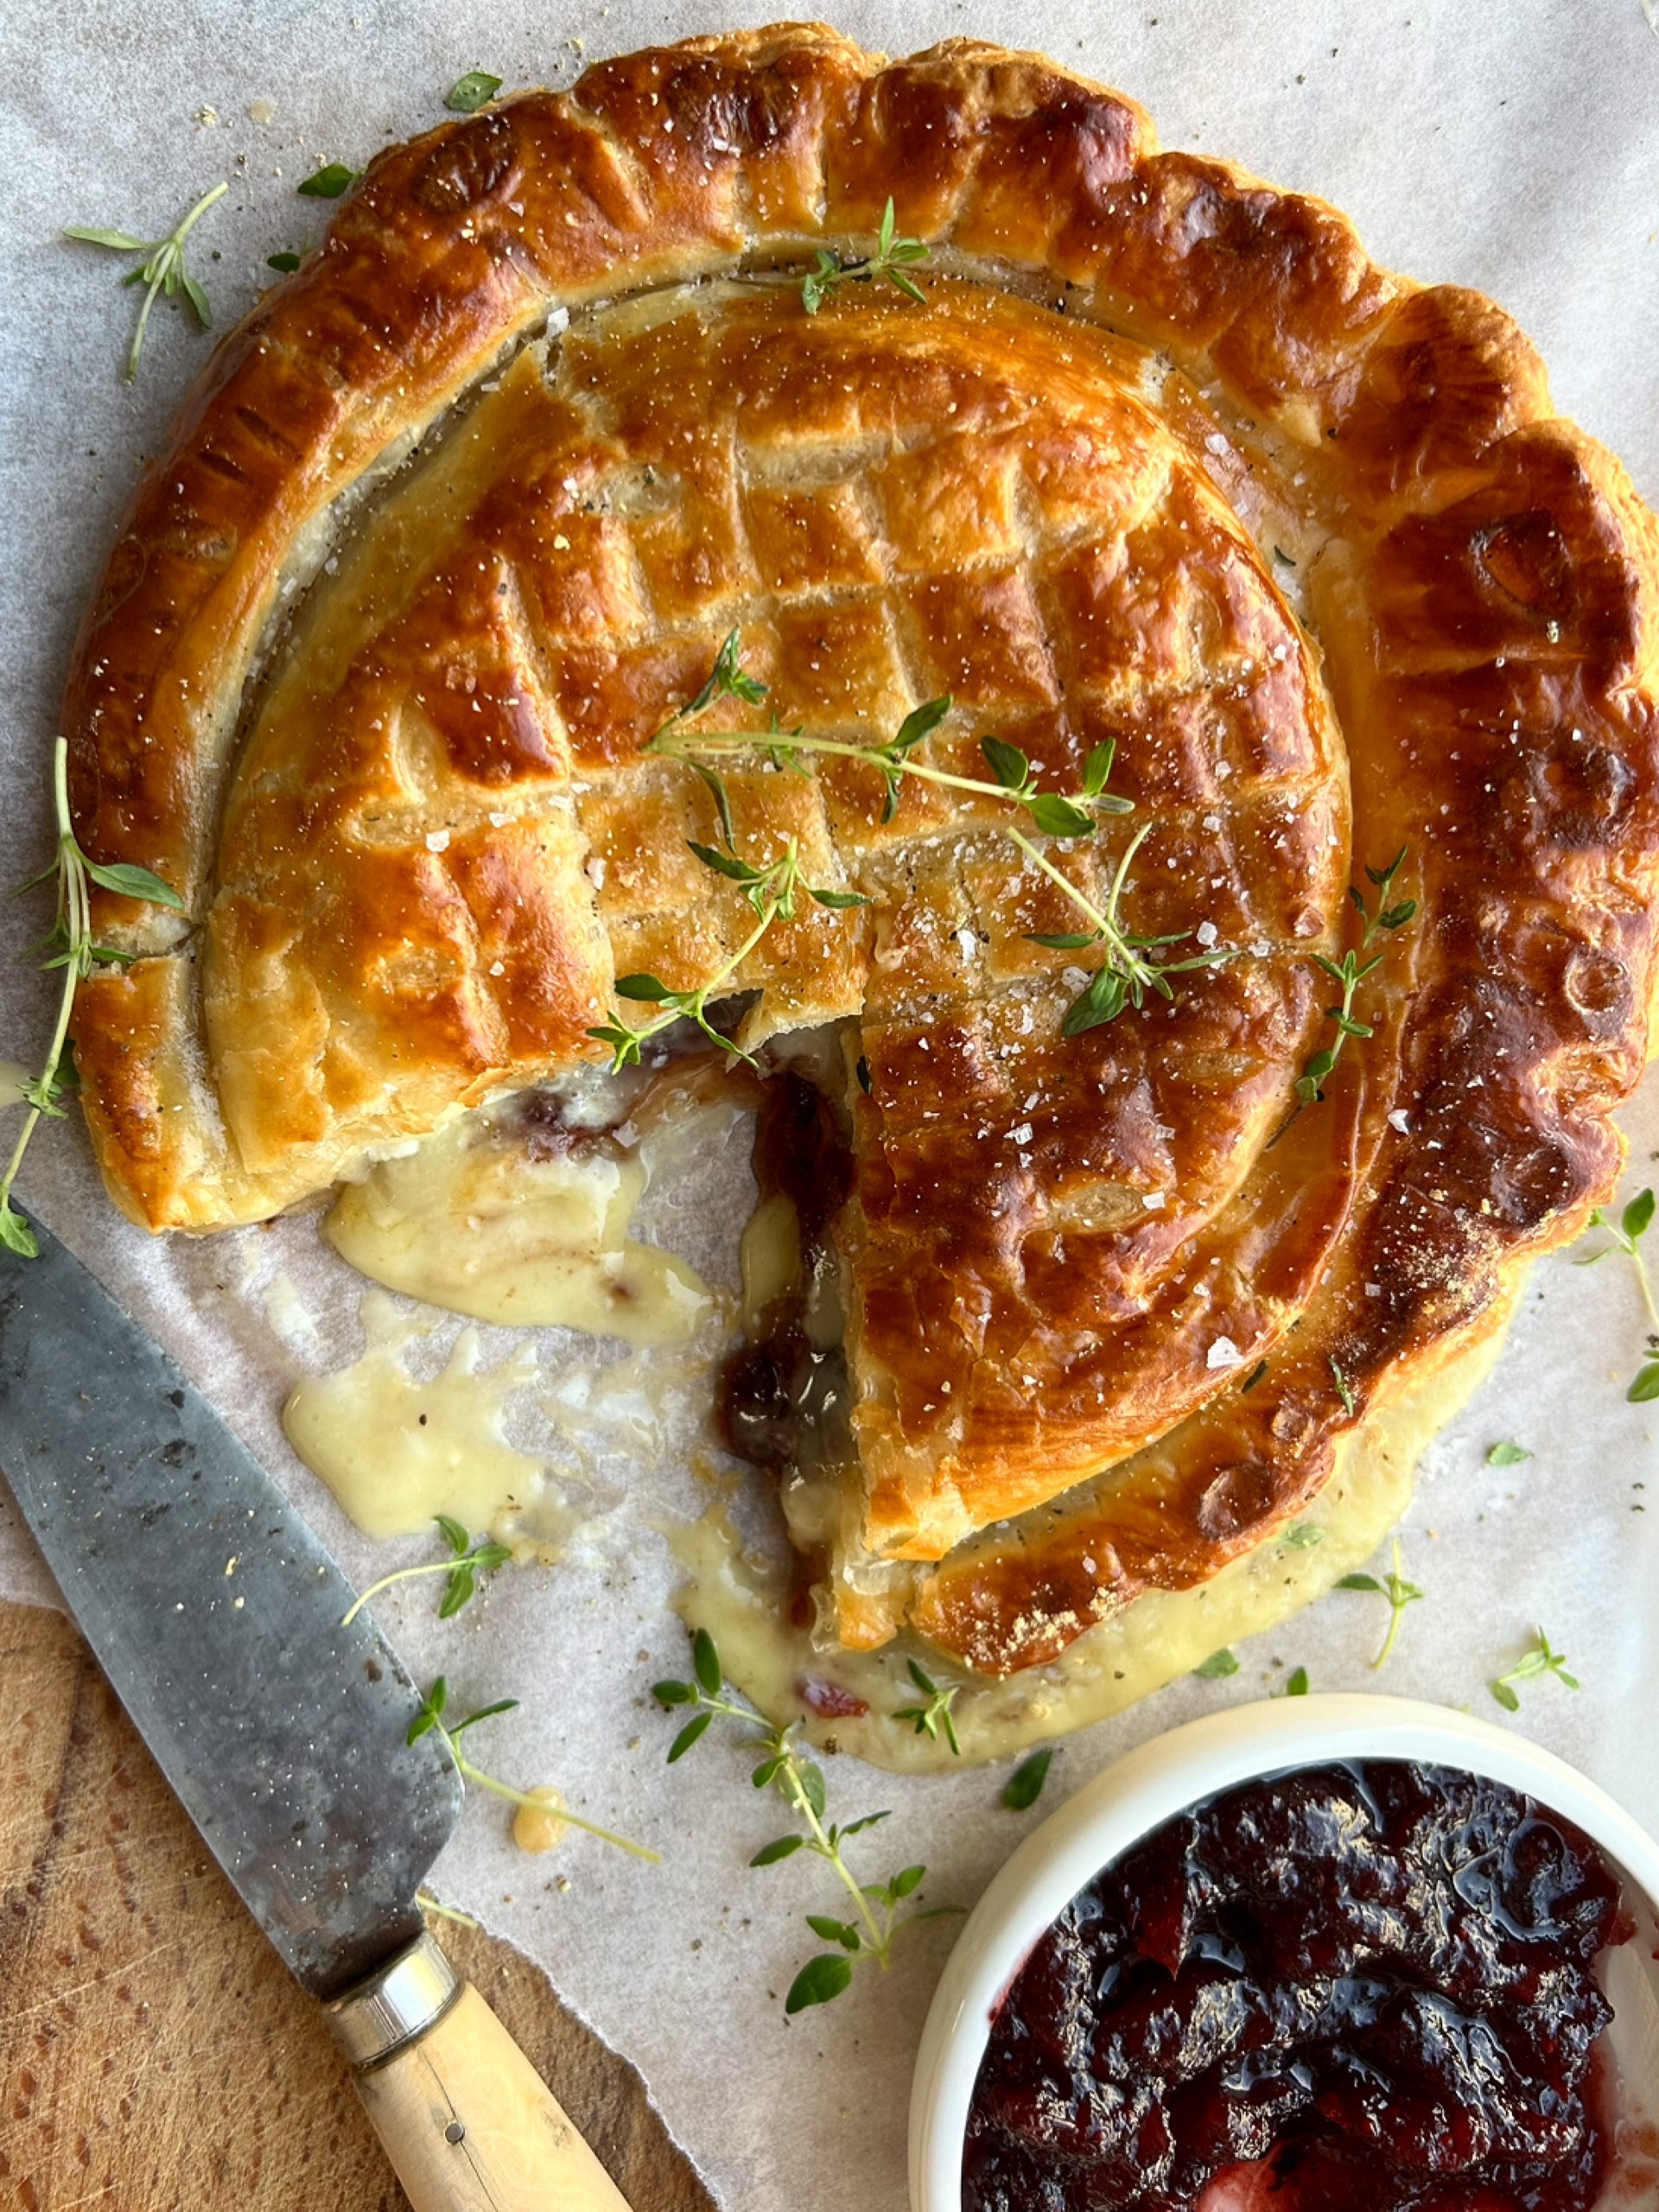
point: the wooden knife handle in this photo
(471, 2126)
(468, 2124)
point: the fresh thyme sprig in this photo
(1055, 814)
(1125, 974)
(71, 947)
(1348, 974)
(771, 891)
(889, 260)
(431, 1717)
(934, 1718)
(1627, 1233)
(883, 1911)
(1399, 1593)
(469, 1558)
(1538, 1659)
(161, 270)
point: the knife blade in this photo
(219, 1618)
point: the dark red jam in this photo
(1351, 1989)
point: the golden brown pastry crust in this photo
(1479, 576)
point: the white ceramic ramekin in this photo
(1142, 1791)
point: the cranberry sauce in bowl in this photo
(1364, 1986)
(1330, 1954)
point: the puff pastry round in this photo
(1163, 458)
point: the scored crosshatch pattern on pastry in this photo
(1232, 400)
(992, 1144)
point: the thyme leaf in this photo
(70, 948)
(474, 91)
(1217, 1667)
(1399, 1593)
(880, 1912)
(430, 1720)
(1024, 1785)
(331, 181)
(889, 262)
(162, 272)
(1540, 1658)
(469, 1557)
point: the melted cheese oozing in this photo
(538, 1827)
(743, 1601)
(396, 1451)
(769, 1257)
(468, 1220)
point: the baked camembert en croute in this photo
(1278, 566)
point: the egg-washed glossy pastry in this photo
(1159, 473)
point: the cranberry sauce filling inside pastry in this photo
(1165, 1161)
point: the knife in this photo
(218, 1617)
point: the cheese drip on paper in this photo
(471, 1219)
(741, 1598)
(396, 1449)
(519, 1214)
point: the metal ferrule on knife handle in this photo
(409, 1994)
(468, 2124)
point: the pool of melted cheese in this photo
(742, 1599)
(397, 1450)
(472, 1221)
(515, 1216)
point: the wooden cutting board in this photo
(153, 2054)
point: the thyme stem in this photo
(775, 896)
(726, 742)
(882, 1914)
(403, 1574)
(74, 952)
(778, 1744)
(471, 1773)
(1119, 951)
(430, 1720)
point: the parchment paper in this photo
(1510, 145)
